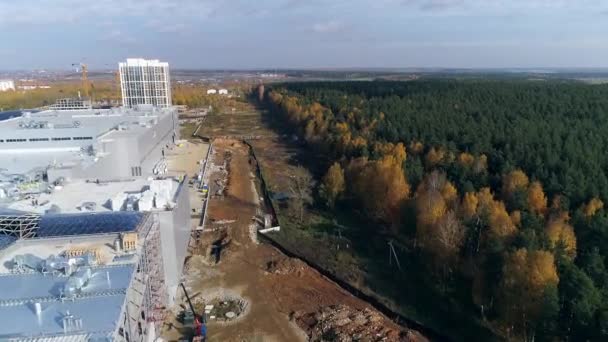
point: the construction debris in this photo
(344, 324)
(286, 266)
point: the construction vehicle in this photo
(200, 323)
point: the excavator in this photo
(200, 323)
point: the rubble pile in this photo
(286, 266)
(344, 324)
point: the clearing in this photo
(279, 298)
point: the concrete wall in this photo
(150, 145)
(175, 234)
(119, 155)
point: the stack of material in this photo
(118, 201)
(146, 202)
(162, 190)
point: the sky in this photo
(268, 34)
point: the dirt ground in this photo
(287, 300)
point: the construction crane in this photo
(85, 81)
(116, 86)
(200, 324)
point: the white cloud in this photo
(58, 11)
(493, 6)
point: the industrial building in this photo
(6, 85)
(145, 82)
(92, 261)
(86, 143)
(93, 233)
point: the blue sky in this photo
(305, 33)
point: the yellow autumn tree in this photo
(333, 184)
(466, 159)
(449, 192)
(485, 198)
(513, 181)
(469, 205)
(560, 232)
(380, 186)
(516, 218)
(430, 207)
(592, 207)
(389, 149)
(526, 276)
(501, 225)
(434, 156)
(537, 201)
(416, 147)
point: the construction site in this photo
(112, 228)
(246, 289)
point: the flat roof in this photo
(26, 160)
(71, 197)
(78, 122)
(97, 305)
(38, 287)
(37, 140)
(100, 315)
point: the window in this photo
(82, 138)
(16, 140)
(39, 139)
(61, 139)
(136, 171)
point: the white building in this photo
(81, 143)
(211, 91)
(223, 92)
(6, 85)
(145, 82)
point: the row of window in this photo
(45, 139)
(136, 171)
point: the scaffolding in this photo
(21, 226)
(148, 295)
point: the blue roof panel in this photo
(6, 241)
(88, 223)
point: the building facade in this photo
(88, 144)
(6, 85)
(145, 82)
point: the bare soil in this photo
(284, 295)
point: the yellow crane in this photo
(85, 81)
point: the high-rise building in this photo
(145, 82)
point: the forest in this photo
(498, 184)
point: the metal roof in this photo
(97, 307)
(6, 241)
(88, 223)
(99, 316)
(20, 288)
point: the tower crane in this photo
(85, 81)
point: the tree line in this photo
(504, 179)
